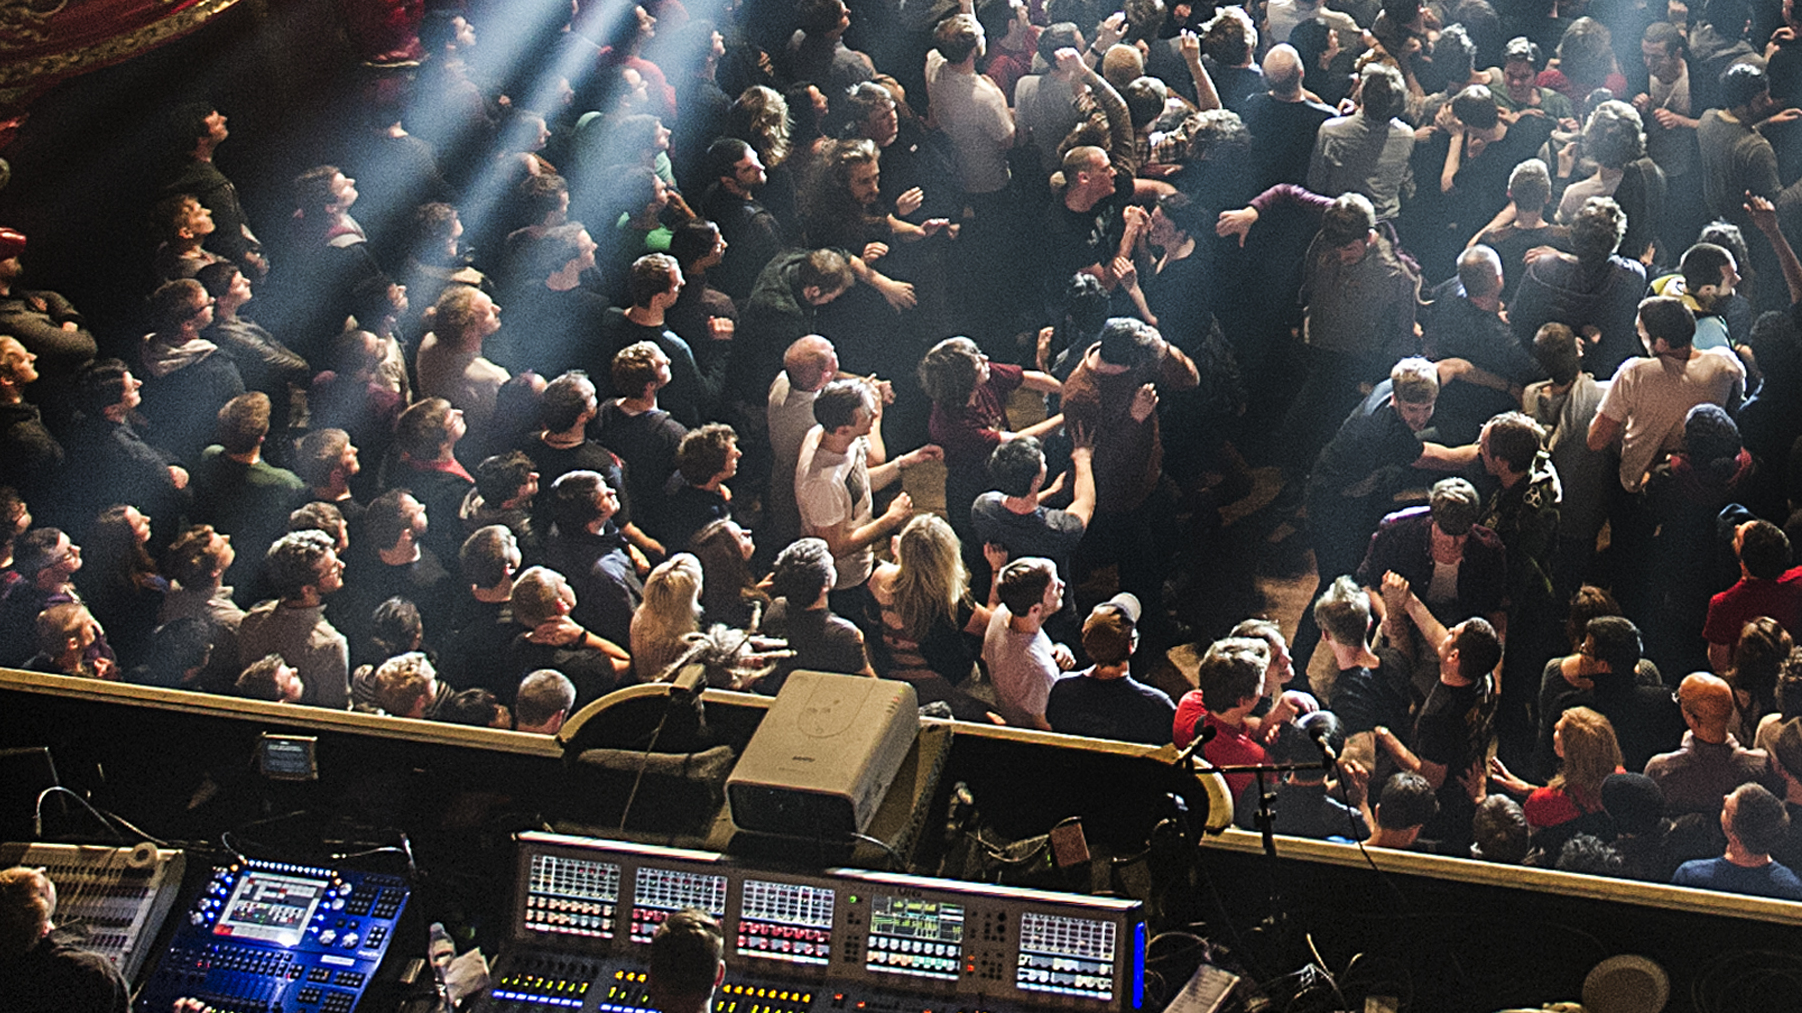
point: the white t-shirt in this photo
(1022, 668)
(1650, 398)
(824, 484)
(972, 111)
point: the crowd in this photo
(1094, 263)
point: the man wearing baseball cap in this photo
(1104, 701)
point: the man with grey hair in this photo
(1283, 120)
(543, 702)
(1458, 566)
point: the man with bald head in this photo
(807, 367)
(1283, 120)
(1710, 763)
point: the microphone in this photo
(1204, 734)
(1318, 733)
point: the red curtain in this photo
(45, 41)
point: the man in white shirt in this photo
(835, 486)
(1022, 661)
(1649, 398)
(968, 106)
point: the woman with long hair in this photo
(931, 628)
(1758, 661)
(730, 592)
(120, 581)
(1586, 745)
(670, 614)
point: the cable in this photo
(896, 864)
(644, 761)
(37, 816)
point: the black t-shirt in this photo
(1123, 709)
(647, 443)
(1453, 729)
(553, 463)
(587, 668)
(1283, 136)
(1364, 698)
(822, 642)
(1074, 240)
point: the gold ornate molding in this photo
(19, 77)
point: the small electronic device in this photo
(288, 757)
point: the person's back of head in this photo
(1614, 134)
(1015, 465)
(1589, 854)
(802, 571)
(544, 696)
(487, 555)
(1229, 37)
(1701, 266)
(244, 422)
(687, 961)
(404, 684)
(1343, 612)
(538, 595)
(1756, 818)
(27, 902)
(838, 402)
(1556, 349)
(957, 37)
(500, 477)
(1145, 98)
(1741, 86)
(1597, 232)
(1348, 219)
(1382, 92)
(1406, 803)
(1022, 583)
(292, 562)
(1475, 107)
(1499, 831)
(566, 401)
(1480, 272)
(634, 369)
(1514, 439)
(1455, 54)
(1666, 317)
(1126, 341)
(1231, 672)
(948, 372)
(1455, 505)
(1530, 185)
(1711, 441)
(574, 498)
(477, 707)
(1634, 802)
(1479, 648)
(1617, 644)
(1764, 549)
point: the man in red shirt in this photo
(1764, 588)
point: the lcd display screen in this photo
(270, 908)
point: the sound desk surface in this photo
(798, 942)
(268, 937)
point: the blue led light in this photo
(1139, 966)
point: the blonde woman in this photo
(931, 627)
(669, 616)
(1585, 741)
